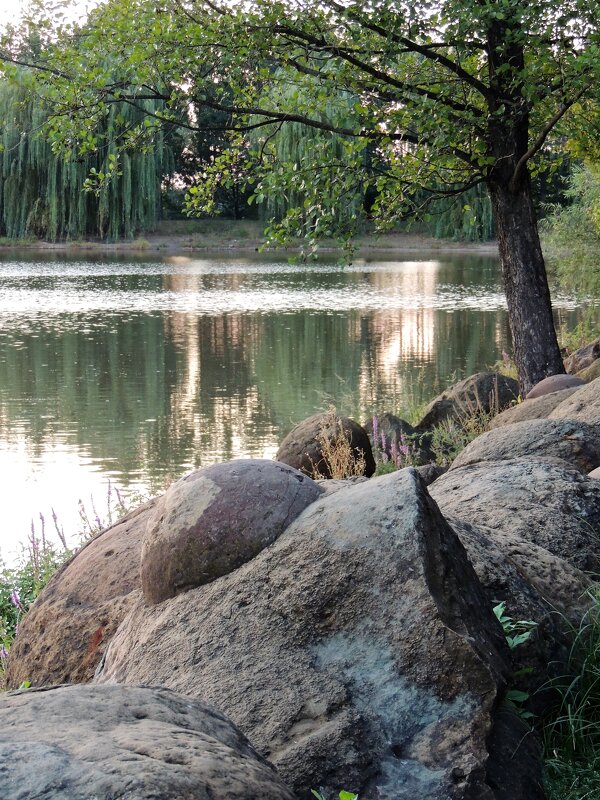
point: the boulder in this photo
(483, 393)
(537, 586)
(590, 373)
(534, 583)
(583, 357)
(584, 406)
(538, 408)
(554, 383)
(139, 743)
(212, 521)
(302, 448)
(430, 473)
(65, 633)
(574, 442)
(358, 651)
(595, 473)
(543, 501)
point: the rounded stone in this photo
(212, 521)
(595, 473)
(538, 408)
(574, 442)
(303, 448)
(590, 373)
(128, 742)
(554, 383)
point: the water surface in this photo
(135, 372)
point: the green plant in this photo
(571, 731)
(342, 795)
(586, 330)
(451, 436)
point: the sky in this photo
(11, 9)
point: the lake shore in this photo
(185, 237)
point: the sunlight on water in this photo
(136, 372)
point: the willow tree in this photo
(451, 94)
(98, 189)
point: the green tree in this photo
(450, 94)
(101, 190)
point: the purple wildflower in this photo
(16, 600)
(375, 427)
(394, 452)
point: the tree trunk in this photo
(536, 350)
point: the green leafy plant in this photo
(342, 795)
(517, 632)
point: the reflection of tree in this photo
(148, 396)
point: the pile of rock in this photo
(348, 633)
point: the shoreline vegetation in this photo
(184, 237)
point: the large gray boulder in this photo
(107, 742)
(574, 442)
(590, 373)
(538, 408)
(213, 520)
(394, 438)
(303, 448)
(483, 393)
(535, 585)
(358, 651)
(584, 405)
(543, 501)
(583, 357)
(65, 633)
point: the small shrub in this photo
(393, 455)
(342, 460)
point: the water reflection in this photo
(138, 372)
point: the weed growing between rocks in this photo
(41, 558)
(342, 460)
(451, 436)
(572, 732)
(403, 450)
(21, 584)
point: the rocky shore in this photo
(256, 633)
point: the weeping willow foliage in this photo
(43, 194)
(292, 150)
(466, 217)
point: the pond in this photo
(125, 374)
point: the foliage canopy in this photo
(445, 95)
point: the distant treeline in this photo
(132, 172)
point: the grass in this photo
(341, 459)
(572, 731)
(40, 558)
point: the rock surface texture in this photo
(583, 357)
(357, 651)
(64, 635)
(108, 742)
(574, 442)
(484, 393)
(302, 447)
(212, 521)
(538, 408)
(584, 405)
(541, 501)
(554, 383)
